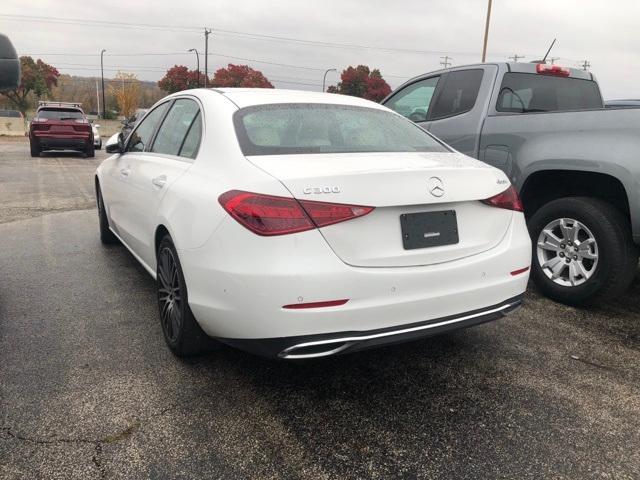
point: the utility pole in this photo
(445, 61)
(324, 78)
(206, 56)
(585, 65)
(486, 33)
(553, 60)
(197, 64)
(516, 57)
(102, 76)
(98, 98)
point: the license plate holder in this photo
(429, 229)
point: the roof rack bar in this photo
(46, 103)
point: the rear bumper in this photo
(237, 291)
(315, 346)
(61, 142)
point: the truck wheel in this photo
(90, 151)
(35, 149)
(583, 251)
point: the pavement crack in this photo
(97, 460)
(44, 441)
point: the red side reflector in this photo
(508, 199)
(555, 70)
(270, 215)
(330, 303)
(519, 271)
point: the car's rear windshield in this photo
(530, 92)
(301, 128)
(60, 114)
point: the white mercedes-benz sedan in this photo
(297, 225)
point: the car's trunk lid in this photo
(398, 184)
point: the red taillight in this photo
(271, 215)
(555, 70)
(329, 303)
(323, 213)
(508, 199)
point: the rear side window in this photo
(528, 92)
(141, 136)
(413, 101)
(192, 140)
(458, 95)
(60, 114)
(175, 127)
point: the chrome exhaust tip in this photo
(315, 349)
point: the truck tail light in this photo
(508, 199)
(271, 215)
(555, 70)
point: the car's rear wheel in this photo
(181, 330)
(106, 235)
(583, 251)
(99, 146)
(35, 149)
(90, 151)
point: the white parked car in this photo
(297, 224)
(97, 141)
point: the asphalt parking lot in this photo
(89, 390)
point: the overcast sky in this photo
(604, 33)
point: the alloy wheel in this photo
(169, 294)
(567, 252)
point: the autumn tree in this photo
(37, 80)
(180, 78)
(240, 76)
(362, 82)
(125, 88)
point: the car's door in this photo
(169, 156)
(120, 176)
(414, 100)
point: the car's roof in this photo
(246, 97)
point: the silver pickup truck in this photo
(575, 163)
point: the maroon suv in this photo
(60, 126)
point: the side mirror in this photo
(9, 65)
(115, 144)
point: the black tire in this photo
(181, 331)
(617, 260)
(99, 147)
(106, 236)
(35, 149)
(90, 151)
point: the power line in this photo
(193, 28)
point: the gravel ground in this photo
(89, 390)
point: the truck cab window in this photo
(528, 92)
(413, 101)
(458, 94)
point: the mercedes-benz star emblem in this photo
(435, 186)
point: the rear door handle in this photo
(125, 172)
(159, 181)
